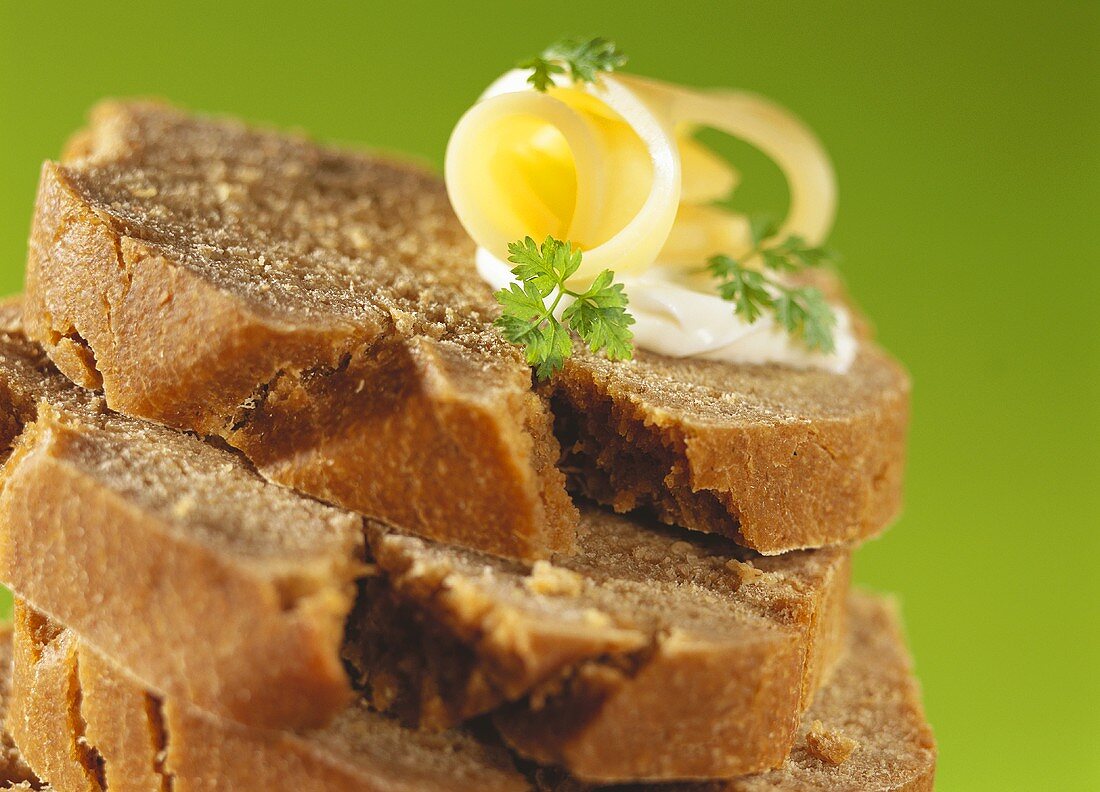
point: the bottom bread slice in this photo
(13, 769)
(84, 725)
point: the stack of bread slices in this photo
(281, 510)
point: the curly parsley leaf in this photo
(805, 314)
(549, 350)
(546, 266)
(802, 311)
(597, 315)
(742, 286)
(582, 59)
(542, 72)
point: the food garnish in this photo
(802, 311)
(570, 149)
(581, 59)
(597, 314)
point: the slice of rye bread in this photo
(153, 542)
(777, 458)
(319, 309)
(866, 730)
(85, 725)
(178, 562)
(299, 302)
(692, 656)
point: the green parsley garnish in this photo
(582, 60)
(598, 314)
(801, 310)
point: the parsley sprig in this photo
(598, 314)
(801, 310)
(582, 59)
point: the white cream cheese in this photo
(677, 317)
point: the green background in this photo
(966, 138)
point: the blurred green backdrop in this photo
(967, 141)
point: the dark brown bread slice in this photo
(319, 309)
(86, 726)
(152, 542)
(651, 653)
(299, 302)
(871, 708)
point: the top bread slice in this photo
(319, 309)
(299, 302)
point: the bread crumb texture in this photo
(828, 745)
